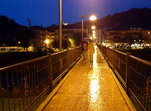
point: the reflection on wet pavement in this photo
(89, 88)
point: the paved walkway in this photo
(88, 87)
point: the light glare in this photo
(93, 17)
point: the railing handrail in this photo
(134, 71)
(58, 52)
(34, 78)
(120, 52)
(141, 60)
(23, 63)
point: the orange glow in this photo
(46, 41)
(93, 27)
(93, 17)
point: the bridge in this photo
(65, 81)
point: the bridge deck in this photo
(88, 87)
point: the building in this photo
(132, 36)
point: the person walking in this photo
(85, 48)
(91, 51)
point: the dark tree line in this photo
(11, 33)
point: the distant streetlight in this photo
(93, 27)
(46, 41)
(19, 42)
(91, 17)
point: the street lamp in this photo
(60, 24)
(93, 27)
(91, 17)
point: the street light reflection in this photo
(95, 58)
(94, 82)
(94, 94)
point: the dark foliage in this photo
(25, 36)
(55, 44)
(11, 33)
(77, 38)
(52, 27)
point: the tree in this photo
(77, 38)
(55, 44)
(25, 36)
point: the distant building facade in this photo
(126, 35)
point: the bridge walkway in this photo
(88, 87)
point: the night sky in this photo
(45, 12)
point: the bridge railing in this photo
(22, 85)
(133, 73)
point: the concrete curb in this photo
(123, 93)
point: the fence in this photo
(133, 73)
(22, 85)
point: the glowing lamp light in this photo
(46, 41)
(93, 17)
(65, 24)
(93, 27)
(19, 42)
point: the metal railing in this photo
(22, 85)
(133, 73)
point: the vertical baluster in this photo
(36, 77)
(18, 71)
(39, 75)
(144, 73)
(13, 86)
(44, 72)
(34, 82)
(2, 91)
(25, 83)
(29, 82)
(15, 81)
(20, 86)
(8, 90)
(44, 81)
(49, 72)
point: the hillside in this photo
(8, 26)
(132, 18)
(11, 33)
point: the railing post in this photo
(50, 71)
(127, 72)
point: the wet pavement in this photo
(89, 87)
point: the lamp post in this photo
(60, 25)
(91, 17)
